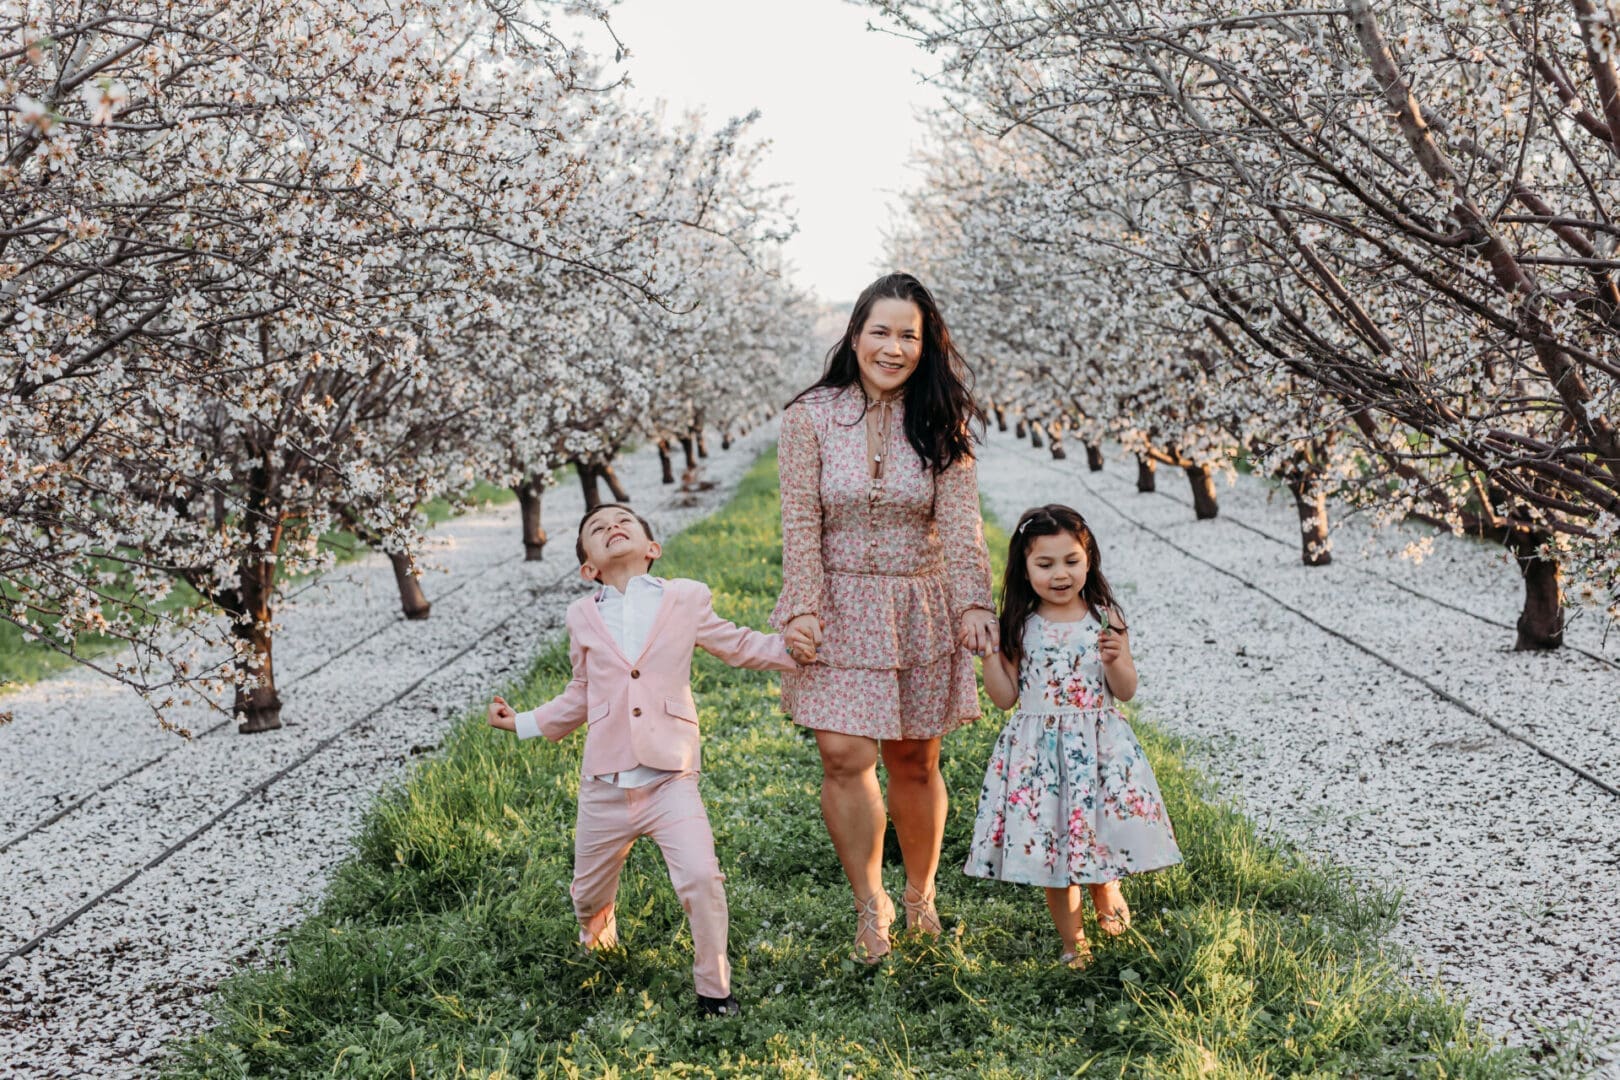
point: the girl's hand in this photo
(802, 635)
(980, 633)
(501, 715)
(1111, 646)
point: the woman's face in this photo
(889, 346)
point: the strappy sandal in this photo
(1117, 919)
(1078, 957)
(873, 917)
(920, 913)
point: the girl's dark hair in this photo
(1018, 596)
(940, 407)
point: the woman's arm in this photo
(799, 466)
(967, 559)
(1000, 681)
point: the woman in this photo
(885, 585)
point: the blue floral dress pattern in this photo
(1069, 797)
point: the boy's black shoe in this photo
(726, 1006)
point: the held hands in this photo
(802, 635)
(501, 715)
(980, 633)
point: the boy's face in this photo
(615, 538)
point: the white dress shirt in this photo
(629, 617)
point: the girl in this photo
(1068, 798)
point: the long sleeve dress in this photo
(891, 564)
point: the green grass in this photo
(23, 662)
(444, 946)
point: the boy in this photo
(630, 643)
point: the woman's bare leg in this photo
(852, 807)
(917, 805)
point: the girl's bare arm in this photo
(1000, 680)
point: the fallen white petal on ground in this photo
(105, 993)
(1509, 863)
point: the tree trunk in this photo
(1315, 547)
(1203, 491)
(606, 473)
(725, 439)
(534, 534)
(1001, 418)
(1035, 439)
(702, 441)
(690, 451)
(1541, 622)
(1094, 458)
(587, 482)
(257, 706)
(1059, 453)
(664, 463)
(1146, 471)
(411, 598)
(1020, 429)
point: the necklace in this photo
(876, 453)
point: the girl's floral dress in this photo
(1068, 797)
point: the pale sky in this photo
(838, 103)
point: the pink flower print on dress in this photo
(1078, 694)
(1137, 805)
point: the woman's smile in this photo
(889, 346)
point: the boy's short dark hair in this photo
(579, 535)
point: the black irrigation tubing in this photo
(108, 785)
(1409, 590)
(257, 789)
(1438, 691)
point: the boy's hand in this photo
(501, 715)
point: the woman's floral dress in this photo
(889, 564)
(1068, 797)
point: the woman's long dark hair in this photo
(940, 407)
(1018, 597)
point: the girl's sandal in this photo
(1114, 918)
(920, 913)
(1078, 957)
(873, 916)
(1115, 922)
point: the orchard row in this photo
(272, 270)
(1368, 248)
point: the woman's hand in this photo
(802, 635)
(980, 633)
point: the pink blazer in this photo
(640, 709)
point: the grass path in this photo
(444, 946)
